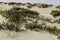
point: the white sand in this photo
(27, 35)
(5, 6)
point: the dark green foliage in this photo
(39, 5)
(44, 5)
(58, 21)
(1, 27)
(14, 3)
(7, 26)
(29, 6)
(18, 15)
(55, 13)
(33, 26)
(58, 7)
(52, 30)
(58, 37)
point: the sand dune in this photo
(29, 35)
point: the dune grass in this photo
(41, 27)
(55, 13)
(39, 5)
(16, 16)
(58, 7)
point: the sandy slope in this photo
(27, 35)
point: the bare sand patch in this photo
(2, 19)
(27, 35)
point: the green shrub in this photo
(55, 13)
(12, 3)
(33, 26)
(58, 37)
(58, 7)
(1, 27)
(58, 21)
(29, 6)
(43, 5)
(7, 26)
(17, 16)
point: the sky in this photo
(55, 2)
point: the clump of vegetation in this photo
(14, 3)
(30, 5)
(58, 7)
(38, 5)
(34, 25)
(44, 5)
(11, 27)
(59, 21)
(18, 16)
(55, 13)
(1, 2)
(7, 26)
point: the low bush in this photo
(44, 5)
(33, 26)
(58, 7)
(58, 21)
(29, 6)
(17, 16)
(55, 13)
(14, 3)
(11, 27)
(38, 5)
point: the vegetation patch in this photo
(43, 27)
(55, 13)
(18, 16)
(58, 7)
(14, 3)
(39, 5)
